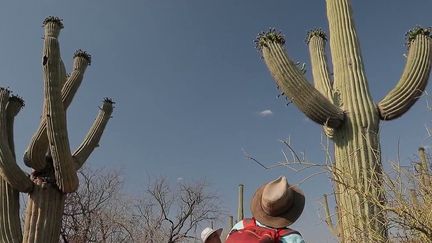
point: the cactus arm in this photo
(9, 170)
(316, 41)
(81, 60)
(10, 221)
(35, 153)
(65, 173)
(13, 106)
(294, 85)
(414, 77)
(91, 141)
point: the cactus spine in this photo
(54, 166)
(345, 108)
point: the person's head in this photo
(277, 204)
(209, 235)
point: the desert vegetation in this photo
(340, 101)
(54, 166)
(100, 211)
(68, 201)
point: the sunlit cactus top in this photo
(53, 19)
(316, 32)
(83, 54)
(412, 34)
(270, 36)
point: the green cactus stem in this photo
(35, 153)
(240, 211)
(230, 222)
(43, 213)
(414, 77)
(62, 73)
(9, 170)
(65, 172)
(345, 105)
(10, 230)
(91, 141)
(316, 40)
(9, 202)
(14, 105)
(294, 85)
(424, 175)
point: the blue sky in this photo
(190, 86)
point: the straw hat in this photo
(277, 204)
(208, 231)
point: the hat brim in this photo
(284, 219)
(218, 232)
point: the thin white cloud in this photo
(265, 113)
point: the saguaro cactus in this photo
(424, 174)
(54, 165)
(240, 211)
(344, 106)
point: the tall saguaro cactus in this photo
(49, 155)
(344, 107)
(240, 211)
(424, 176)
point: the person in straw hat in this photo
(274, 206)
(209, 235)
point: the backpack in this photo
(252, 233)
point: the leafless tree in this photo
(97, 212)
(173, 213)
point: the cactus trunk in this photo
(43, 214)
(357, 150)
(358, 179)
